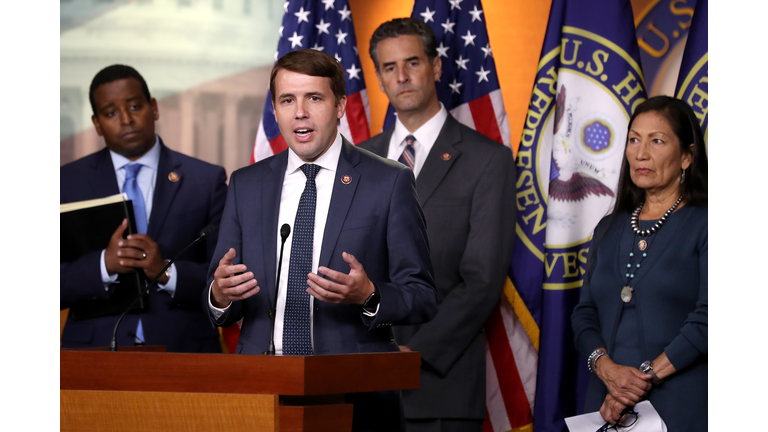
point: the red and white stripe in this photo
(355, 125)
(511, 361)
(486, 115)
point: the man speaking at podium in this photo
(357, 256)
(174, 197)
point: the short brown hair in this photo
(402, 27)
(313, 63)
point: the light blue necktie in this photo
(131, 188)
(296, 325)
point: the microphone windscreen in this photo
(207, 231)
(285, 230)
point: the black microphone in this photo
(205, 233)
(285, 231)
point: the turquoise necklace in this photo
(626, 292)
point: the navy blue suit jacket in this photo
(669, 311)
(179, 211)
(376, 218)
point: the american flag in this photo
(324, 25)
(469, 89)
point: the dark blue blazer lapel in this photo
(612, 240)
(165, 189)
(271, 191)
(435, 167)
(102, 178)
(341, 198)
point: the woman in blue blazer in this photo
(641, 322)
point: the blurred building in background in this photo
(207, 63)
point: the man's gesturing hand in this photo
(354, 287)
(228, 286)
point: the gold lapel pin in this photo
(173, 177)
(346, 179)
(446, 156)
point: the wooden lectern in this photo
(153, 391)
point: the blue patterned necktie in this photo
(131, 188)
(408, 158)
(296, 325)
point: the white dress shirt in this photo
(294, 182)
(146, 179)
(425, 136)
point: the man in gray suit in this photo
(466, 186)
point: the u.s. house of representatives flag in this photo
(662, 30)
(588, 83)
(693, 80)
(324, 25)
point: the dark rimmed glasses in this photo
(627, 419)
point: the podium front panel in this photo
(119, 411)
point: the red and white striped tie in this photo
(408, 158)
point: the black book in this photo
(87, 226)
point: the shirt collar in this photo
(328, 160)
(426, 135)
(151, 159)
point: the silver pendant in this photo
(626, 294)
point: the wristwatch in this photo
(372, 302)
(647, 368)
(168, 273)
